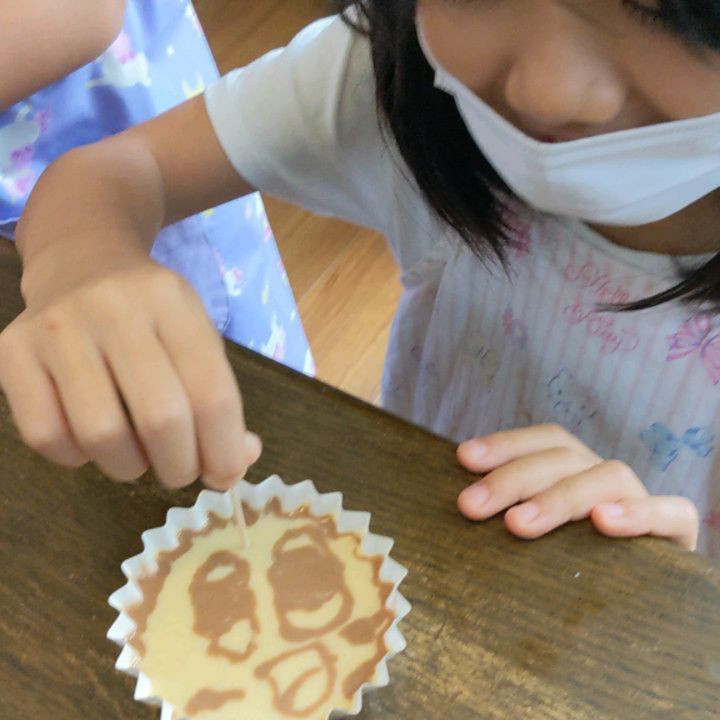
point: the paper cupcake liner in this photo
(195, 518)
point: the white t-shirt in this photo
(473, 349)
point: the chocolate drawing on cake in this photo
(292, 628)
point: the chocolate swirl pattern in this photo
(291, 629)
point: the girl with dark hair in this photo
(546, 173)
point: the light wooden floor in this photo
(344, 278)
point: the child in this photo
(575, 142)
(157, 57)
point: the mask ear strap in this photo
(422, 40)
(443, 80)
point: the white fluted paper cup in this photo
(160, 542)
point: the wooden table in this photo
(568, 627)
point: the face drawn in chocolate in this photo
(224, 606)
(295, 635)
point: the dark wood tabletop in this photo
(568, 627)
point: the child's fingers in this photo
(573, 498)
(226, 449)
(254, 446)
(484, 454)
(198, 354)
(157, 402)
(674, 518)
(91, 403)
(143, 338)
(521, 479)
(35, 404)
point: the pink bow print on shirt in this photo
(697, 335)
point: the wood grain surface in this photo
(570, 627)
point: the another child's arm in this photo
(41, 41)
(557, 479)
(106, 326)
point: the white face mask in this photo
(630, 177)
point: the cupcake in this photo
(296, 625)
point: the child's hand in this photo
(557, 479)
(121, 366)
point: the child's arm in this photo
(41, 41)
(557, 479)
(104, 325)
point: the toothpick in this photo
(240, 516)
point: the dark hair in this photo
(456, 179)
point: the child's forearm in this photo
(100, 202)
(41, 41)
(95, 205)
(115, 358)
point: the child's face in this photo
(565, 69)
